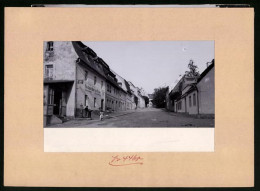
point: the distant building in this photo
(127, 95)
(150, 96)
(137, 93)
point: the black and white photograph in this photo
(129, 84)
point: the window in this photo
(194, 99)
(95, 80)
(50, 46)
(86, 75)
(190, 101)
(101, 84)
(49, 71)
(95, 102)
(109, 88)
(51, 97)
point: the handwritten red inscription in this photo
(118, 160)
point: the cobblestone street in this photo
(148, 117)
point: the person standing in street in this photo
(89, 113)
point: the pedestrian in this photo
(101, 115)
(86, 111)
(89, 114)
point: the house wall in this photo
(206, 89)
(171, 105)
(141, 101)
(86, 87)
(150, 103)
(182, 103)
(125, 97)
(193, 108)
(129, 104)
(113, 98)
(123, 100)
(62, 58)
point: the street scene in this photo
(129, 84)
(140, 118)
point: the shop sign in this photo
(92, 88)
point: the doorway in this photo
(57, 102)
(102, 104)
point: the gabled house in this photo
(90, 78)
(198, 97)
(175, 94)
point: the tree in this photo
(146, 99)
(159, 98)
(193, 70)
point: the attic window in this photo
(50, 46)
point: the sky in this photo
(153, 64)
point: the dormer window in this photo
(50, 46)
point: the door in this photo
(102, 104)
(63, 104)
(57, 102)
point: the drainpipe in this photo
(75, 109)
(185, 105)
(198, 100)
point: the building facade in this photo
(75, 77)
(174, 101)
(139, 102)
(198, 97)
(59, 81)
(90, 80)
(150, 104)
(206, 91)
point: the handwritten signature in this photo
(118, 160)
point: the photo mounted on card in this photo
(126, 84)
(95, 95)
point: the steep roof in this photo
(204, 73)
(79, 48)
(96, 63)
(128, 87)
